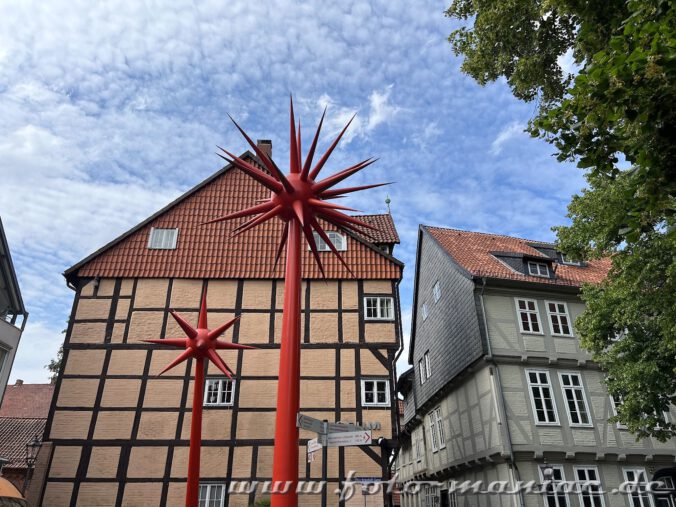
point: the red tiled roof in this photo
(15, 433)
(386, 233)
(28, 401)
(209, 251)
(472, 251)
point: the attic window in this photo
(162, 239)
(538, 269)
(568, 261)
(338, 240)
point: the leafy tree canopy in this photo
(617, 119)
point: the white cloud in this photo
(381, 110)
(507, 134)
(39, 344)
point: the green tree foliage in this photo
(54, 366)
(617, 119)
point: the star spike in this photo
(308, 161)
(185, 325)
(337, 192)
(186, 354)
(325, 157)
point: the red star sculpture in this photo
(201, 345)
(299, 200)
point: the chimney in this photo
(265, 145)
(19, 382)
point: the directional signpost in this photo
(349, 438)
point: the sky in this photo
(110, 110)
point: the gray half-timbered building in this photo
(500, 388)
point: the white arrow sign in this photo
(349, 438)
(313, 445)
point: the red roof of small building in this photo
(28, 401)
(210, 251)
(473, 251)
(23, 415)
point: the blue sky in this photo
(109, 110)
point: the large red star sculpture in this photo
(201, 345)
(300, 201)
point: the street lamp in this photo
(32, 449)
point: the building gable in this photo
(210, 251)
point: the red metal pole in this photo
(285, 460)
(192, 493)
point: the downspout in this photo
(502, 407)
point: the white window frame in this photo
(375, 403)
(569, 262)
(538, 272)
(540, 387)
(418, 450)
(421, 371)
(452, 499)
(208, 487)
(613, 405)
(552, 314)
(545, 495)
(424, 311)
(381, 311)
(428, 368)
(535, 312)
(593, 494)
(339, 242)
(436, 291)
(221, 381)
(644, 497)
(585, 403)
(434, 438)
(440, 427)
(163, 238)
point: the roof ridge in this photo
(489, 234)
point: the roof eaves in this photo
(7, 266)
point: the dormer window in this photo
(339, 241)
(566, 260)
(538, 269)
(162, 239)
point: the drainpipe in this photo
(498, 387)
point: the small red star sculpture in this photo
(201, 345)
(300, 201)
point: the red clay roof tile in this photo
(30, 401)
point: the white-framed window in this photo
(436, 291)
(379, 307)
(575, 398)
(559, 320)
(568, 261)
(589, 486)
(375, 393)
(555, 490)
(542, 397)
(162, 239)
(431, 496)
(421, 371)
(428, 368)
(212, 495)
(418, 450)
(424, 311)
(538, 269)
(529, 316)
(433, 432)
(615, 402)
(452, 499)
(639, 496)
(219, 392)
(339, 241)
(439, 426)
